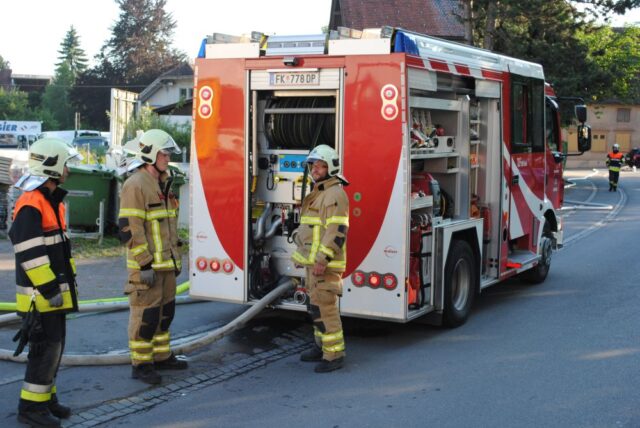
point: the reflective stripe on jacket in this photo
(44, 265)
(324, 221)
(614, 161)
(148, 221)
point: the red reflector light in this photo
(205, 110)
(358, 278)
(514, 265)
(227, 266)
(205, 93)
(389, 281)
(201, 264)
(374, 280)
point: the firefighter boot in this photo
(59, 411)
(38, 417)
(312, 355)
(326, 366)
(146, 373)
(171, 363)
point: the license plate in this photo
(295, 79)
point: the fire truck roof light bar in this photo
(254, 37)
(296, 45)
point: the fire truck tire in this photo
(538, 274)
(459, 284)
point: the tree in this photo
(541, 31)
(140, 46)
(4, 64)
(14, 105)
(138, 51)
(71, 53)
(616, 53)
(606, 7)
(56, 98)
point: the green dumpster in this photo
(179, 179)
(87, 186)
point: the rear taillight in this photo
(358, 278)
(389, 281)
(214, 265)
(201, 264)
(227, 266)
(374, 280)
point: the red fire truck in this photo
(450, 151)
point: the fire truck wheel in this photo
(539, 273)
(459, 284)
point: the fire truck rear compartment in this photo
(288, 124)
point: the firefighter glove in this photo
(147, 276)
(56, 300)
(30, 330)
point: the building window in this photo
(624, 115)
(186, 93)
(595, 137)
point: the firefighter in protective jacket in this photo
(45, 276)
(321, 249)
(614, 162)
(148, 227)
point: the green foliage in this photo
(91, 96)
(138, 51)
(14, 105)
(110, 246)
(140, 45)
(564, 40)
(616, 54)
(148, 119)
(56, 97)
(92, 248)
(4, 64)
(72, 54)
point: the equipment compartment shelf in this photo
(422, 202)
(415, 155)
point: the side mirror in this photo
(581, 113)
(584, 137)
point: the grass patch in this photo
(84, 248)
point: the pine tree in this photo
(56, 97)
(71, 53)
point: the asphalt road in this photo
(564, 353)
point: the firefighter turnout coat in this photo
(615, 161)
(324, 219)
(148, 223)
(44, 265)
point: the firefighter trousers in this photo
(323, 308)
(613, 179)
(152, 309)
(45, 352)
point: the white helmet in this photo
(145, 147)
(48, 156)
(616, 146)
(327, 154)
(47, 159)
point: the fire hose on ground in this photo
(180, 346)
